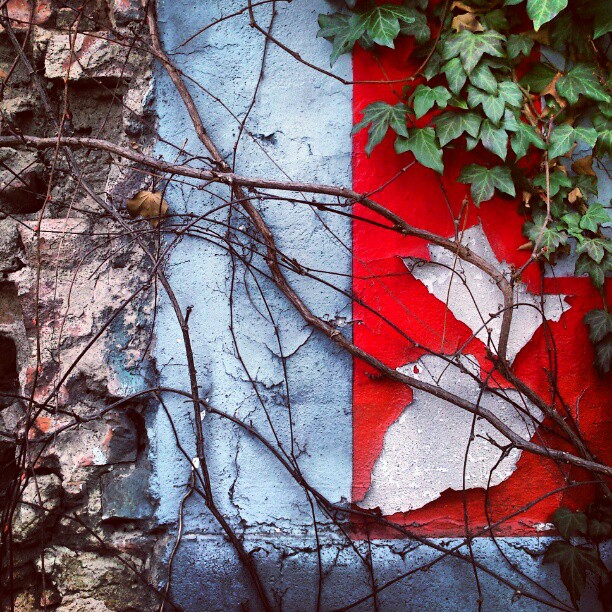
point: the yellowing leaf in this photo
(148, 205)
(584, 165)
(467, 21)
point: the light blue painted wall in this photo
(300, 127)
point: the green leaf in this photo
(574, 561)
(599, 530)
(519, 44)
(424, 145)
(561, 140)
(470, 47)
(455, 75)
(425, 97)
(556, 180)
(493, 106)
(494, 139)
(419, 28)
(600, 324)
(483, 77)
(451, 125)
(597, 271)
(547, 236)
(581, 80)
(603, 125)
(593, 216)
(542, 11)
(484, 181)
(602, 19)
(603, 355)
(569, 523)
(524, 136)
(380, 116)
(511, 93)
(595, 248)
(383, 23)
(495, 20)
(342, 30)
(538, 78)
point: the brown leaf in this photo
(541, 36)
(574, 194)
(149, 205)
(584, 165)
(526, 247)
(466, 21)
(551, 89)
(462, 6)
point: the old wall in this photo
(74, 446)
(296, 129)
(99, 474)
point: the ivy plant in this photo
(526, 81)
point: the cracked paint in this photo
(424, 451)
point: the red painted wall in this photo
(383, 282)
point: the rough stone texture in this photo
(86, 497)
(37, 508)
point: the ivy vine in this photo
(527, 82)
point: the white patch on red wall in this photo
(431, 447)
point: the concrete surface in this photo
(301, 121)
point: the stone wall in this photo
(66, 268)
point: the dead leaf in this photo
(3, 74)
(467, 21)
(574, 194)
(584, 165)
(541, 36)
(149, 205)
(526, 247)
(551, 89)
(462, 6)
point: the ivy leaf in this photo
(519, 44)
(483, 77)
(495, 20)
(603, 19)
(542, 11)
(455, 75)
(548, 237)
(424, 145)
(524, 136)
(556, 181)
(511, 93)
(425, 97)
(569, 523)
(342, 31)
(470, 47)
(538, 78)
(383, 23)
(581, 80)
(597, 271)
(381, 116)
(595, 248)
(451, 125)
(418, 28)
(561, 140)
(603, 355)
(600, 324)
(493, 106)
(484, 181)
(603, 125)
(494, 139)
(593, 216)
(573, 564)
